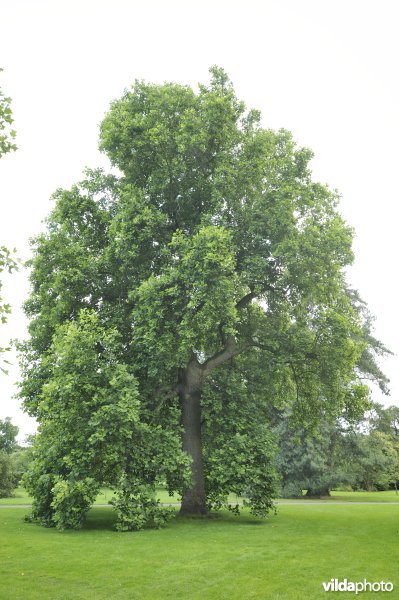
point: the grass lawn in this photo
(390, 496)
(338, 496)
(21, 497)
(225, 558)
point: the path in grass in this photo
(284, 558)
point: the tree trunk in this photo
(194, 499)
(191, 381)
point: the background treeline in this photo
(14, 458)
(339, 454)
(335, 455)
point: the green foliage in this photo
(182, 308)
(8, 446)
(374, 460)
(7, 263)
(376, 453)
(239, 447)
(7, 134)
(136, 507)
(21, 457)
(71, 500)
(314, 460)
(97, 436)
(8, 435)
(363, 455)
(385, 420)
(367, 364)
(210, 271)
(7, 475)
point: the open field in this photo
(337, 496)
(21, 497)
(286, 557)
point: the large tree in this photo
(219, 265)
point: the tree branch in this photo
(166, 394)
(298, 399)
(246, 300)
(231, 349)
(256, 344)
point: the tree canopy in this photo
(174, 303)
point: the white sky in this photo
(327, 71)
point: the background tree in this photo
(386, 420)
(375, 461)
(314, 461)
(376, 451)
(8, 431)
(367, 366)
(7, 136)
(339, 451)
(14, 458)
(8, 445)
(8, 435)
(21, 458)
(364, 455)
(219, 263)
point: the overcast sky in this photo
(327, 71)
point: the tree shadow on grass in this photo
(102, 518)
(223, 518)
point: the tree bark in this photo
(190, 384)
(194, 498)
